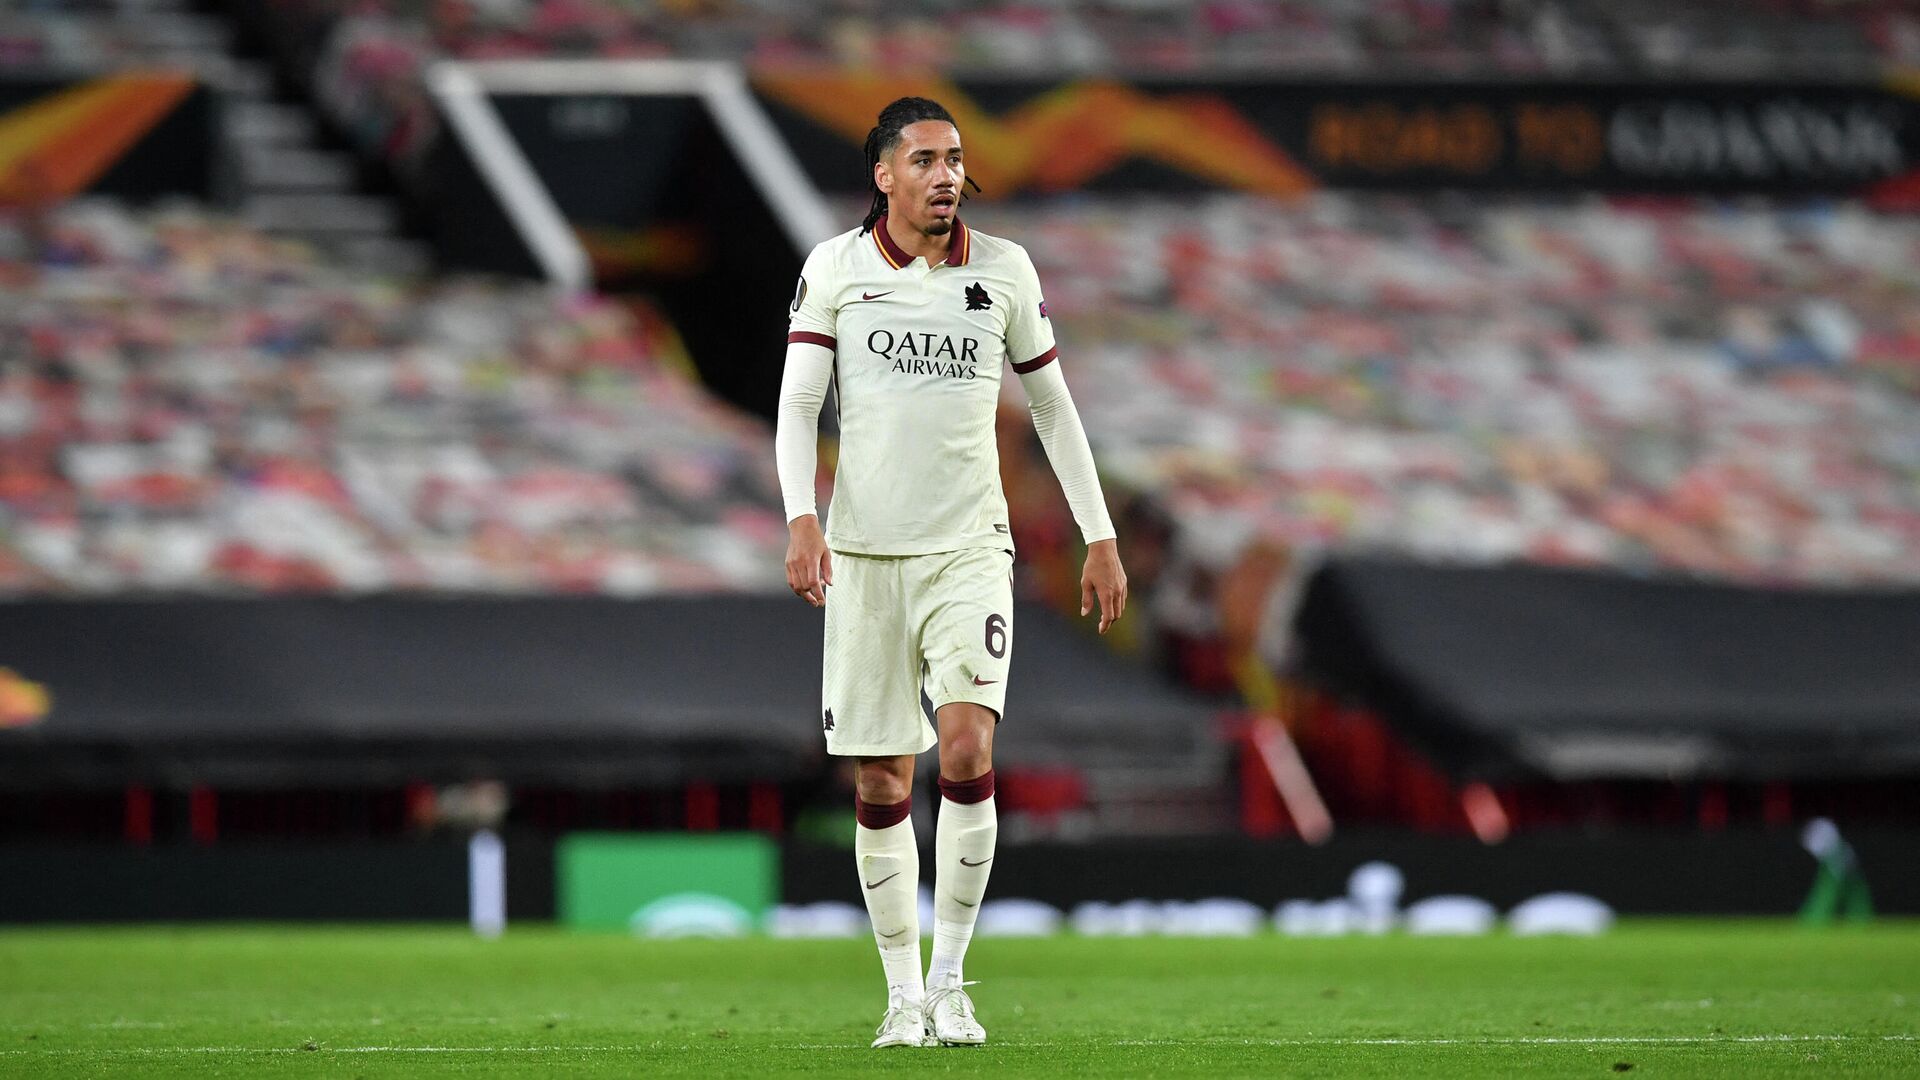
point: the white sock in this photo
(963, 844)
(889, 864)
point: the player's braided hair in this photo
(886, 135)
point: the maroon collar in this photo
(959, 246)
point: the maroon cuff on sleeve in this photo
(1038, 362)
(874, 816)
(808, 337)
(978, 789)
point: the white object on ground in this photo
(1130, 918)
(691, 914)
(1215, 917)
(1560, 913)
(1018, 918)
(1374, 889)
(487, 884)
(1463, 916)
(825, 919)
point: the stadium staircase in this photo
(1163, 798)
(285, 173)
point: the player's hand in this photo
(809, 563)
(1104, 580)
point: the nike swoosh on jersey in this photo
(982, 862)
(883, 881)
(876, 296)
(978, 681)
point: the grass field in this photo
(1748, 999)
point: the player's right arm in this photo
(796, 431)
(795, 449)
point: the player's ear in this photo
(883, 177)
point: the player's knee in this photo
(882, 783)
(966, 754)
(882, 790)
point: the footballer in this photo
(912, 319)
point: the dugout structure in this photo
(1518, 672)
(591, 691)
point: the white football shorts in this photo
(898, 624)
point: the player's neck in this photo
(914, 242)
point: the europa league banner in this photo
(138, 135)
(1284, 138)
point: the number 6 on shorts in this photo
(996, 636)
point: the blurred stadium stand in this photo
(195, 406)
(1724, 391)
(1236, 37)
(108, 34)
(262, 412)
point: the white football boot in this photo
(950, 1019)
(904, 1025)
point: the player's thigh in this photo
(966, 629)
(869, 685)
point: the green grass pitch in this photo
(1737, 999)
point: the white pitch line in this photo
(1522, 1040)
(335, 1050)
(1552, 1040)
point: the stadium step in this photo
(317, 213)
(268, 168)
(1177, 799)
(1163, 791)
(265, 122)
(246, 80)
(380, 254)
(285, 181)
(182, 37)
(1157, 811)
(1167, 813)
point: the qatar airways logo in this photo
(926, 354)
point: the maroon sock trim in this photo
(978, 789)
(874, 816)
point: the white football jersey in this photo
(918, 357)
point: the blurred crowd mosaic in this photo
(188, 404)
(1727, 391)
(1721, 390)
(54, 35)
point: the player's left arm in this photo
(1057, 422)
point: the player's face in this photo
(922, 176)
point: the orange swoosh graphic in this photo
(22, 701)
(59, 145)
(1066, 136)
